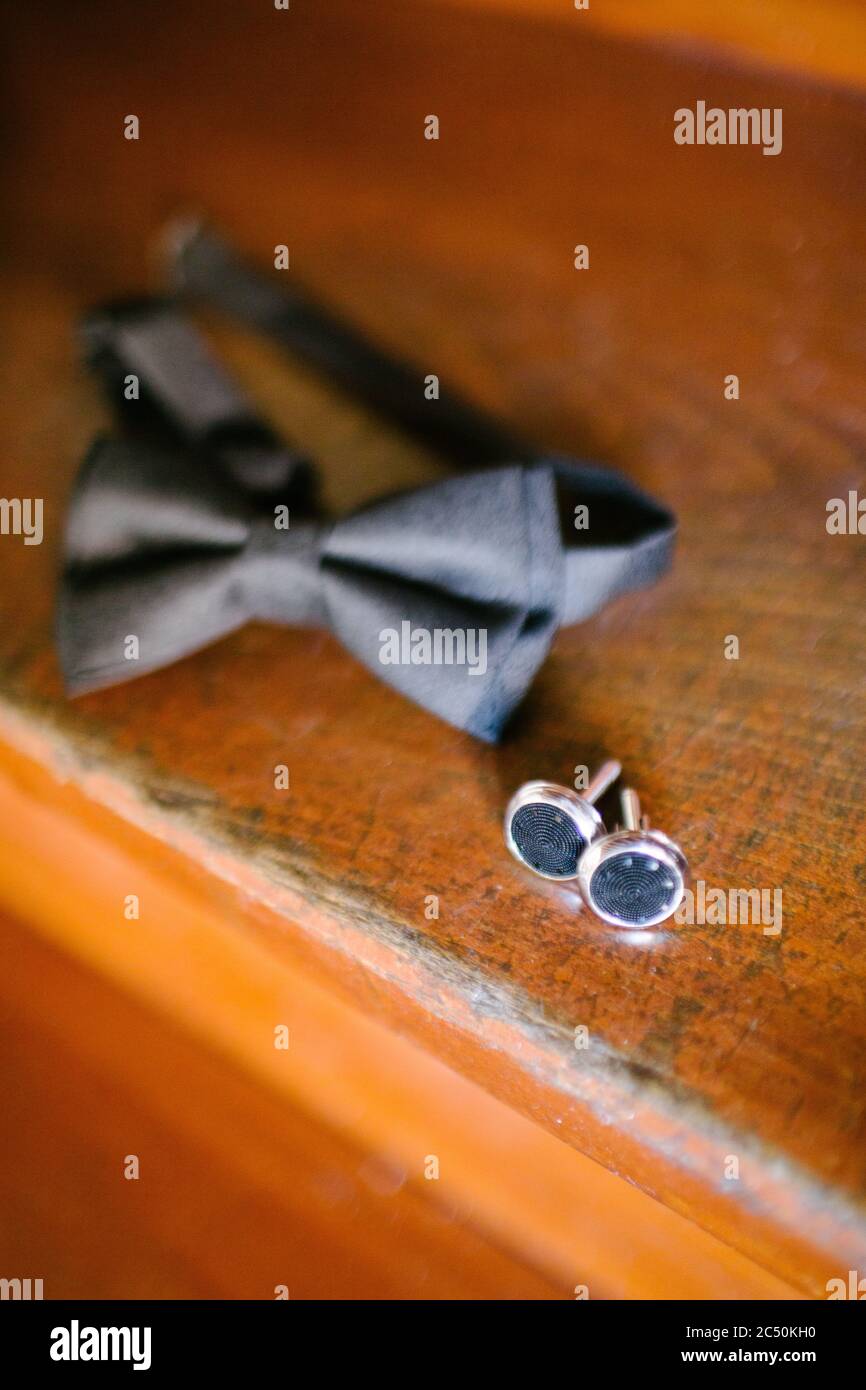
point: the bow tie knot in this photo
(278, 574)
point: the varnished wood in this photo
(229, 972)
(237, 1192)
(826, 40)
(710, 1041)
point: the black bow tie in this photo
(451, 593)
(175, 557)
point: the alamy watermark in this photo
(731, 907)
(438, 646)
(77, 1343)
(853, 1287)
(21, 1289)
(738, 125)
(22, 516)
(846, 516)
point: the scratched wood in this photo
(708, 1041)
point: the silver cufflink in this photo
(548, 828)
(635, 877)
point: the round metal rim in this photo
(585, 818)
(651, 842)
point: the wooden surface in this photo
(824, 41)
(210, 1215)
(66, 863)
(706, 1041)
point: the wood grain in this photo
(707, 1041)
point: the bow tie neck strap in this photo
(184, 398)
(205, 267)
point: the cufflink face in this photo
(633, 878)
(548, 828)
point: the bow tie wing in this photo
(451, 593)
(616, 537)
(152, 550)
(131, 501)
(112, 627)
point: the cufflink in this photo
(548, 828)
(634, 877)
